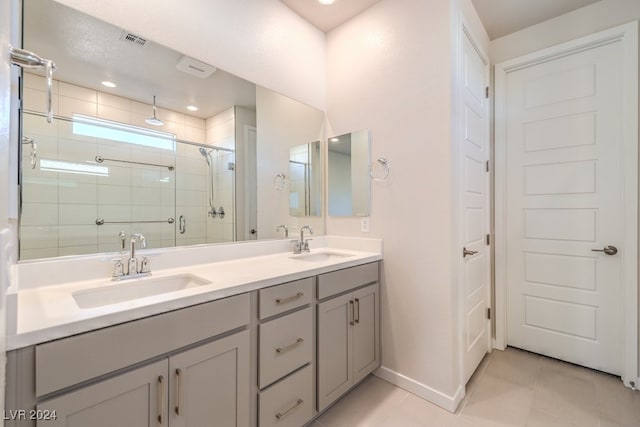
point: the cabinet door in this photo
(210, 384)
(335, 370)
(134, 399)
(366, 334)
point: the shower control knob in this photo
(253, 231)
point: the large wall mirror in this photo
(348, 174)
(147, 140)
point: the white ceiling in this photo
(500, 17)
(328, 17)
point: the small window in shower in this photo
(106, 129)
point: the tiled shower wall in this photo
(59, 209)
(192, 194)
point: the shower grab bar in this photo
(27, 59)
(100, 221)
(101, 159)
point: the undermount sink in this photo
(135, 289)
(321, 256)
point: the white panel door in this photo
(563, 200)
(474, 153)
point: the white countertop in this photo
(50, 312)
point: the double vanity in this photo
(265, 339)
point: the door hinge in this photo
(489, 313)
(486, 166)
(486, 92)
(488, 239)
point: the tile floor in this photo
(510, 388)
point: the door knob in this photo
(466, 252)
(609, 250)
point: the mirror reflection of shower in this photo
(211, 184)
(33, 156)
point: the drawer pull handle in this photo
(290, 346)
(178, 377)
(357, 311)
(289, 299)
(290, 410)
(160, 398)
(352, 314)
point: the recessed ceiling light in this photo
(335, 140)
(108, 84)
(326, 2)
(192, 108)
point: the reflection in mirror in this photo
(282, 123)
(305, 180)
(348, 169)
(105, 169)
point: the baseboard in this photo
(450, 403)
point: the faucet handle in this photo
(145, 265)
(118, 268)
(133, 266)
(306, 245)
(297, 247)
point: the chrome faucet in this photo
(133, 269)
(302, 245)
(133, 261)
(285, 228)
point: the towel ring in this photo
(280, 181)
(380, 170)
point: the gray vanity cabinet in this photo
(134, 399)
(210, 384)
(189, 389)
(348, 342)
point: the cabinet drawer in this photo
(79, 358)
(288, 403)
(285, 345)
(349, 278)
(278, 299)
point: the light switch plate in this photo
(364, 224)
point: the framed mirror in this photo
(348, 174)
(305, 180)
(145, 140)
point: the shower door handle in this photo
(27, 59)
(182, 224)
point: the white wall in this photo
(259, 40)
(390, 70)
(7, 169)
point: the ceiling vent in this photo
(133, 39)
(195, 67)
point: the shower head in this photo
(206, 155)
(154, 120)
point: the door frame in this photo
(627, 35)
